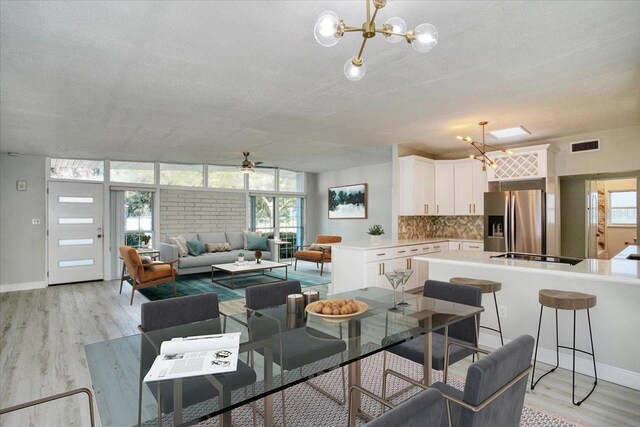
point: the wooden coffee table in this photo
(248, 269)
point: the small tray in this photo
(337, 318)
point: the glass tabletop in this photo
(285, 349)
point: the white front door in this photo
(75, 232)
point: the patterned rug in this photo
(305, 407)
(199, 283)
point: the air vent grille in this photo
(580, 147)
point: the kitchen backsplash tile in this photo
(451, 227)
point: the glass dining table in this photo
(117, 366)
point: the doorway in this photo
(75, 246)
(611, 222)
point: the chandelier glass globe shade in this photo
(354, 72)
(425, 37)
(326, 28)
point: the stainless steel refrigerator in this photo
(515, 221)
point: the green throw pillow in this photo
(255, 243)
(195, 247)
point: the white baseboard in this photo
(584, 366)
(25, 286)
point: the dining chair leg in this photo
(295, 265)
(133, 289)
(321, 267)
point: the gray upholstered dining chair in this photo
(494, 389)
(465, 331)
(425, 409)
(172, 312)
(294, 348)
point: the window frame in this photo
(611, 208)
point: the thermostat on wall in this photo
(21, 185)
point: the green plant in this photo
(376, 230)
(241, 254)
(144, 238)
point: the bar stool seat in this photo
(566, 300)
(486, 287)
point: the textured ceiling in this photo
(204, 81)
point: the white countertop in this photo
(366, 244)
(614, 270)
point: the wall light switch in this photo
(35, 221)
(21, 185)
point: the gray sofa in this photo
(202, 263)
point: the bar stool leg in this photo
(593, 357)
(495, 300)
(535, 357)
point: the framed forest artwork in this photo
(348, 202)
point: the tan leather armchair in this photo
(318, 252)
(146, 275)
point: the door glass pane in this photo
(68, 221)
(225, 177)
(291, 220)
(263, 215)
(69, 199)
(262, 179)
(290, 181)
(75, 263)
(182, 175)
(74, 242)
(135, 172)
(85, 170)
(138, 226)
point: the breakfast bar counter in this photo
(615, 318)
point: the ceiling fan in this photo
(248, 166)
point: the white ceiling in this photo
(204, 81)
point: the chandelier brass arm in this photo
(482, 148)
(329, 30)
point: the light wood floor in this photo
(42, 353)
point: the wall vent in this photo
(581, 147)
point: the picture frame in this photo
(348, 202)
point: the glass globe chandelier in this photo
(482, 148)
(329, 30)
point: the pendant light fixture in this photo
(329, 30)
(482, 148)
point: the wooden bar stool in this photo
(486, 287)
(563, 300)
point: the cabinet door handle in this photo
(426, 208)
(379, 269)
(383, 254)
(401, 252)
(437, 209)
(436, 247)
(474, 208)
(382, 268)
(469, 207)
(410, 263)
(414, 250)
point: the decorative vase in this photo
(240, 258)
(376, 239)
(258, 255)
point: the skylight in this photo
(510, 132)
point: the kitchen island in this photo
(615, 319)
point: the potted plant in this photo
(375, 231)
(144, 240)
(258, 255)
(240, 256)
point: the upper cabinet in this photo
(524, 163)
(470, 183)
(417, 177)
(444, 188)
(441, 187)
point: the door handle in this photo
(99, 232)
(99, 236)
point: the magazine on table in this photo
(197, 355)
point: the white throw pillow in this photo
(181, 243)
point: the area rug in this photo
(191, 284)
(305, 407)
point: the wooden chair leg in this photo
(321, 267)
(122, 276)
(133, 289)
(175, 290)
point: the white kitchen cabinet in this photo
(469, 246)
(470, 183)
(417, 177)
(444, 188)
(374, 273)
(455, 246)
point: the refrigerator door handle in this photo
(512, 223)
(507, 228)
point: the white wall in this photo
(378, 178)
(22, 245)
(617, 235)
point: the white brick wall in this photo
(184, 211)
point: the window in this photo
(282, 216)
(138, 210)
(135, 172)
(182, 175)
(290, 181)
(262, 179)
(622, 208)
(263, 214)
(84, 170)
(225, 177)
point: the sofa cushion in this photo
(246, 234)
(257, 243)
(212, 237)
(195, 247)
(181, 243)
(235, 239)
(218, 247)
